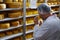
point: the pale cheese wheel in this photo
(1, 16)
(49, 3)
(2, 6)
(14, 15)
(4, 26)
(1, 0)
(15, 23)
(14, 5)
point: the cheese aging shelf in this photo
(17, 17)
(11, 20)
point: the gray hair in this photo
(44, 7)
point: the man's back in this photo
(49, 30)
(54, 31)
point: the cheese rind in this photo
(1, 0)
(15, 23)
(1, 16)
(2, 6)
(4, 26)
(2, 34)
(14, 5)
(14, 15)
(8, 1)
(9, 33)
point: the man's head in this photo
(44, 11)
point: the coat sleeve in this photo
(35, 31)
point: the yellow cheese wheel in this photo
(49, 4)
(15, 31)
(20, 29)
(15, 0)
(16, 38)
(1, 16)
(21, 4)
(14, 15)
(2, 6)
(2, 35)
(27, 4)
(1, 0)
(29, 28)
(15, 23)
(55, 3)
(35, 12)
(4, 26)
(8, 1)
(38, 4)
(14, 5)
(32, 27)
(21, 21)
(27, 36)
(9, 33)
(20, 0)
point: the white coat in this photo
(49, 30)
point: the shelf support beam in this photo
(24, 19)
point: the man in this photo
(50, 28)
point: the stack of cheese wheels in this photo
(15, 0)
(4, 25)
(1, 16)
(8, 1)
(14, 15)
(14, 5)
(2, 6)
(15, 23)
(1, 0)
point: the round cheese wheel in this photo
(14, 5)
(8, 1)
(1, 16)
(14, 15)
(9, 33)
(1, 0)
(15, 0)
(4, 26)
(20, 0)
(15, 23)
(2, 6)
(2, 35)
